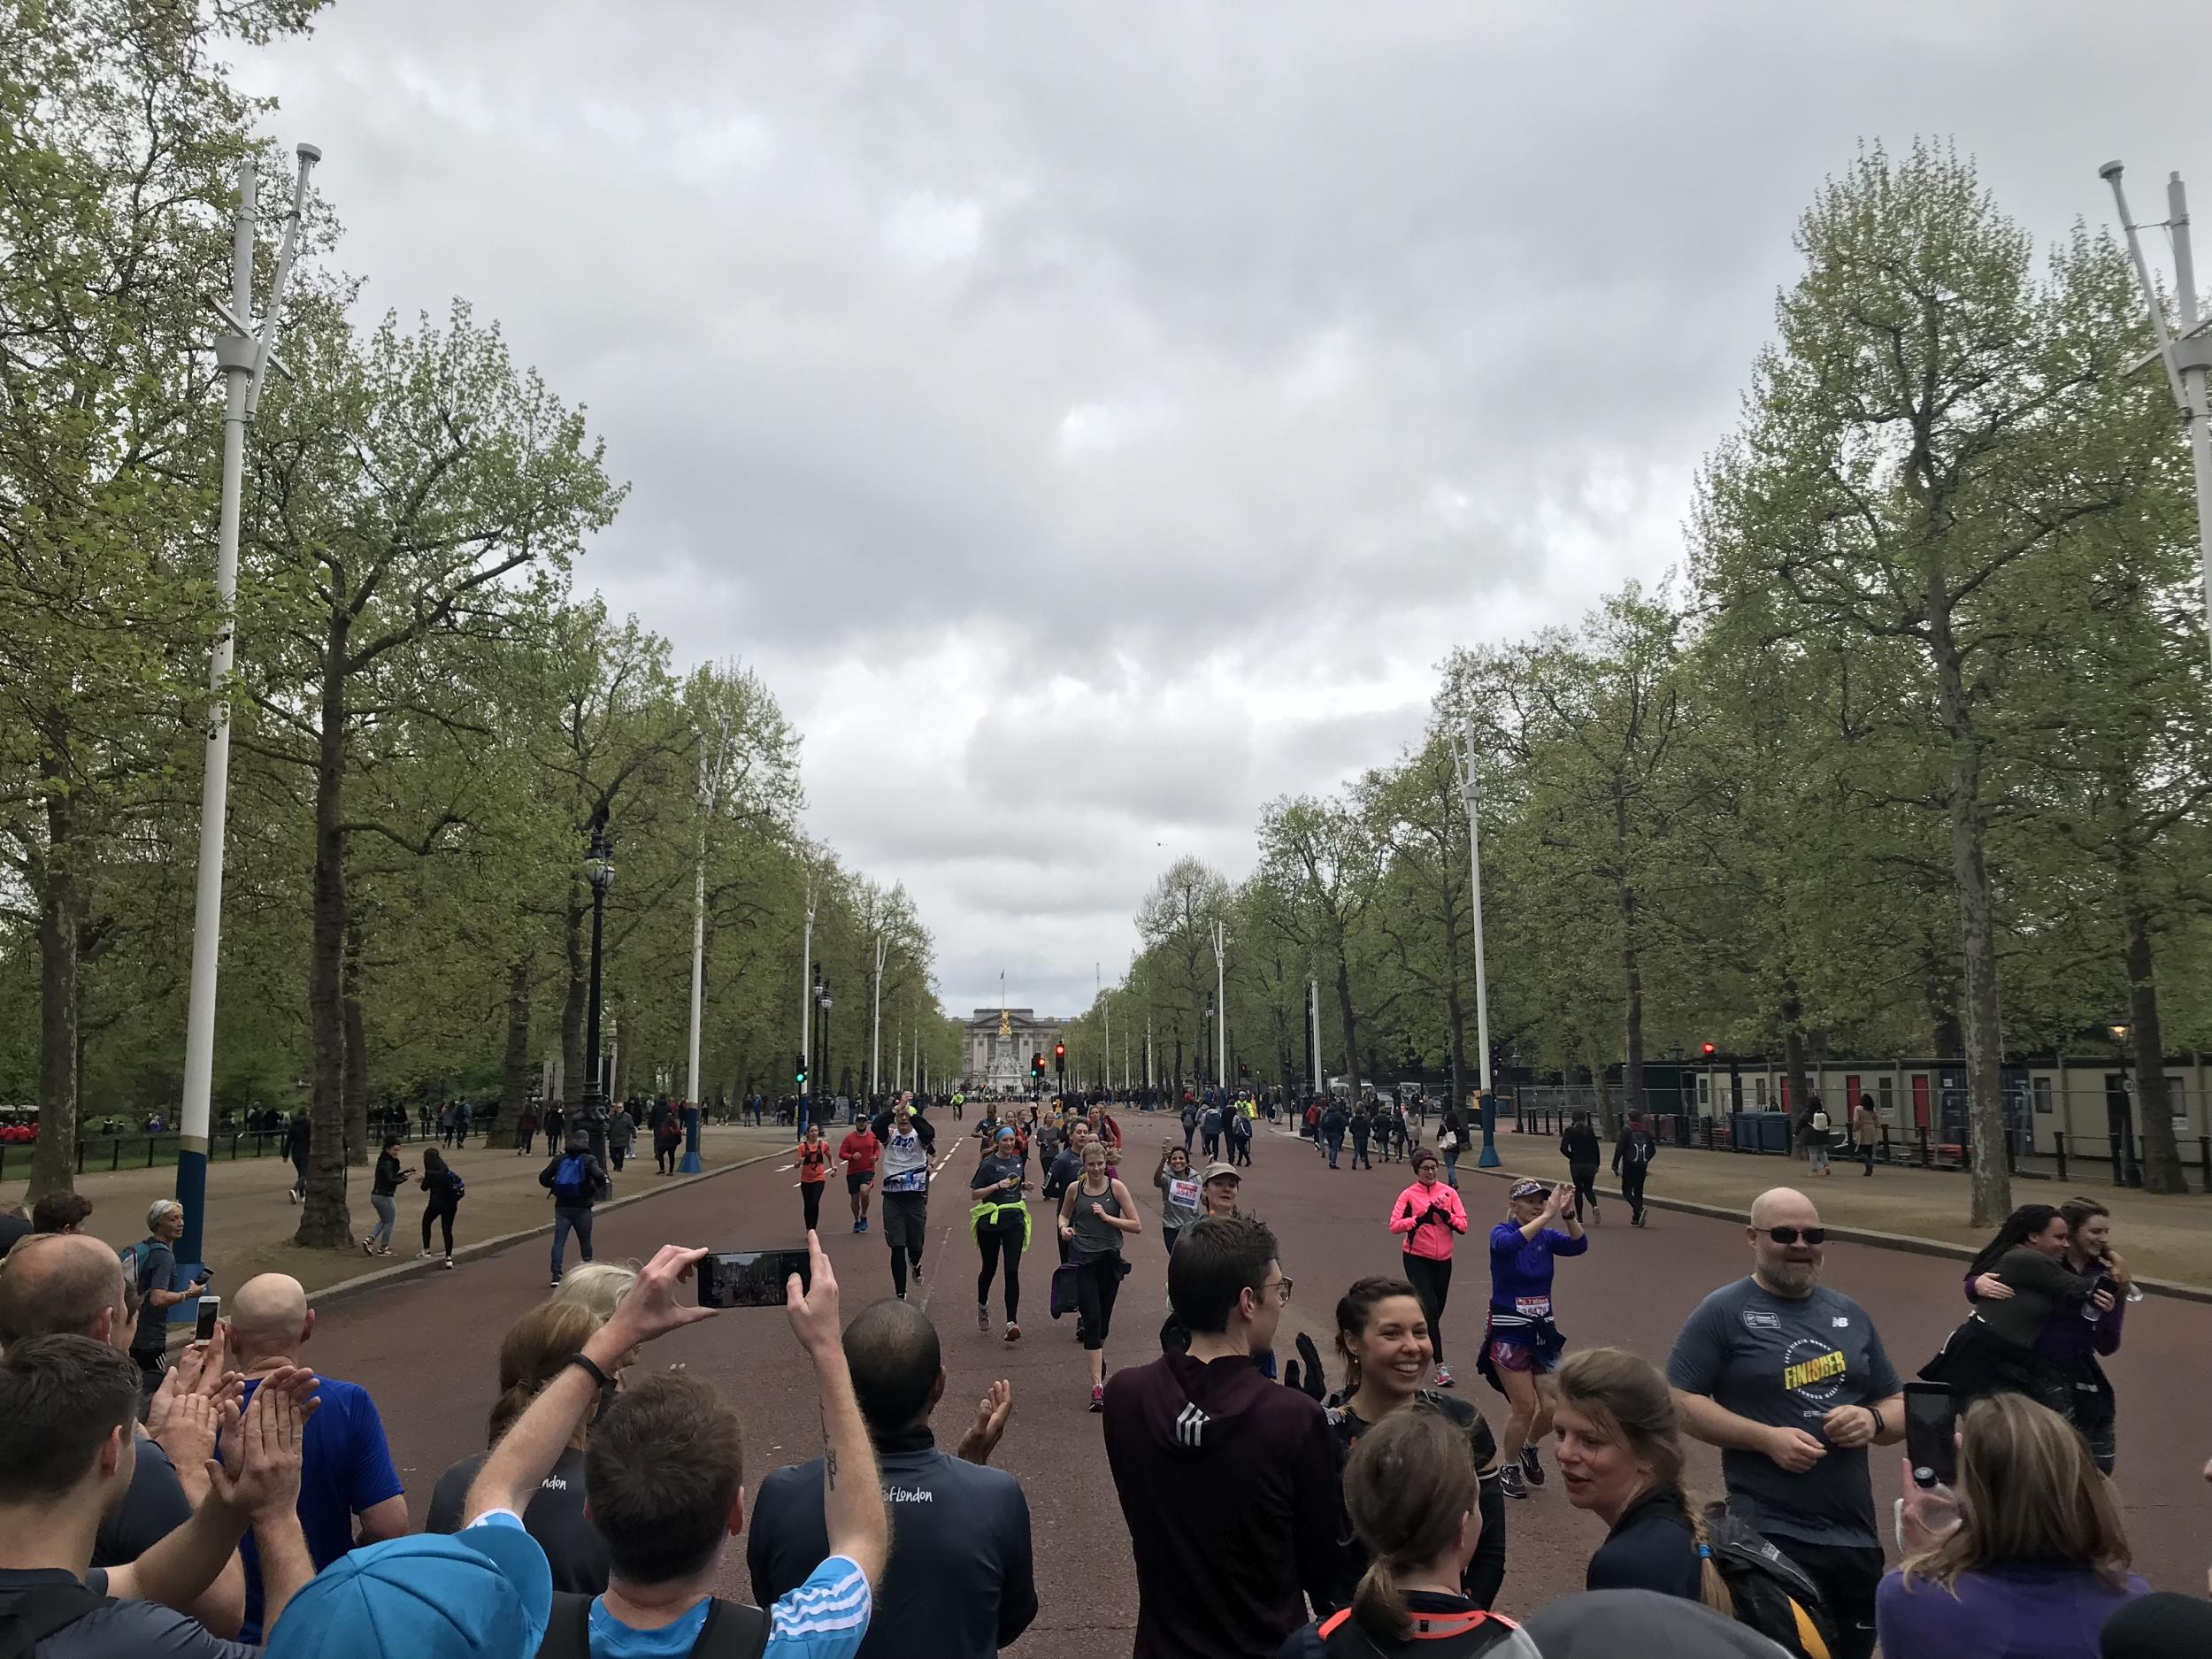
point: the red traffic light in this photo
(1059, 1051)
(1709, 1049)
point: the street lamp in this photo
(599, 871)
(827, 1001)
(1210, 1026)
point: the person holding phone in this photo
(1790, 1380)
(1522, 1347)
(1001, 1221)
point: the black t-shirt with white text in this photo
(553, 1516)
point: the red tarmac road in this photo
(427, 1351)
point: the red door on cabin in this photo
(1785, 1093)
(1920, 1099)
(1850, 1096)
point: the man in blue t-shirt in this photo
(349, 1492)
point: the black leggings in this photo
(441, 1213)
(993, 1242)
(1586, 1179)
(1097, 1282)
(811, 1197)
(898, 1267)
(1432, 1283)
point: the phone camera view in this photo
(750, 1278)
(1930, 1431)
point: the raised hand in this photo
(266, 1481)
(651, 1309)
(813, 1313)
(1306, 1377)
(991, 1414)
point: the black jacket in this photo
(597, 1184)
(1578, 1144)
(960, 1583)
(1631, 1136)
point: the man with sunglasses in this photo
(1789, 1379)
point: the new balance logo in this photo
(1190, 1426)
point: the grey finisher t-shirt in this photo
(1789, 1363)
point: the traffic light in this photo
(1037, 1066)
(1708, 1049)
(798, 1072)
(1060, 1058)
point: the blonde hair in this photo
(1409, 1487)
(2028, 1491)
(1626, 1397)
(597, 1287)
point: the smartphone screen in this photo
(1930, 1434)
(211, 1310)
(751, 1279)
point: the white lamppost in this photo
(244, 356)
(875, 1023)
(806, 1004)
(2187, 356)
(711, 770)
(1471, 793)
(1221, 1002)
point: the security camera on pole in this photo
(2187, 356)
(245, 354)
(1471, 792)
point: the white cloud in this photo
(1118, 410)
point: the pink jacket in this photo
(1431, 1238)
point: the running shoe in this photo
(1013, 1332)
(918, 1272)
(448, 1261)
(1444, 1377)
(1510, 1483)
(426, 1257)
(367, 1248)
(1533, 1465)
(1098, 1396)
(983, 1318)
(864, 1225)
(554, 1282)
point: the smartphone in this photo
(751, 1279)
(1932, 1433)
(211, 1310)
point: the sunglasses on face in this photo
(1794, 1235)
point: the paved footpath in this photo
(427, 1350)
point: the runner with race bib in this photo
(1523, 1345)
(907, 1140)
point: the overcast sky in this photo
(1116, 411)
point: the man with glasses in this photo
(1790, 1380)
(1227, 1480)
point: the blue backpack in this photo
(572, 1181)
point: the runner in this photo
(1000, 1218)
(1523, 1346)
(1429, 1217)
(858, 1152)
(1632, 1154)
(814, 1162)
(908, 1141)
(1094, 1216)
(1181, 1203)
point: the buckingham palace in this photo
(1001, 1041)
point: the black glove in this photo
(1309, 1380)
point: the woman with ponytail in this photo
(1620, 1457)
(1411, 1490)
(537, 1348)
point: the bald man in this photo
(1790, 1380)
(66, 1283)
(346, 1466)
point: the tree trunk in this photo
(576, 939)
(1351, 1022)
(61, 906)
(325, 1223)
(1626, 903)
(1990, 1179)
(1793, 1053)
(2153, 1116)
(356, 1088)
(517, 1075)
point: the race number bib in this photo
(1533, 1306)
(1182, 1195)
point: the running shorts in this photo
(905, 1219)
(855, 1180)
(1517, 1342)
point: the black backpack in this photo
(1771, 1593)
(34, 1614)
(732, 1631)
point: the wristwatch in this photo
(1876, 1413)
(584, 1362)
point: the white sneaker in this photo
(424, 1256)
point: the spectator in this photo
(67, 1454)
(1620, 1457)
(297, 1139)
(598, 1287)
(1790, 1380)
(1633, 1150)
(1866, 1132)
(538, 1347)
(959, 1583)
(664, 1473)
(1222, 1578)
(72, 1286)
(525, 1131)
(2033, 1562)
(621, 1135)
(384, 1199)
(1579, 1145)
(152, 1263)
(346, 1468)
(1813, 1134)
(445, 1189)
(60, 1212)
(1411, 1491)
(13, 1225)
(1995, 1349)
(1382, 1332)
(577, 1179)
(2160, 1625)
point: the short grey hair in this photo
(598, 1286)
(161, 1210)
